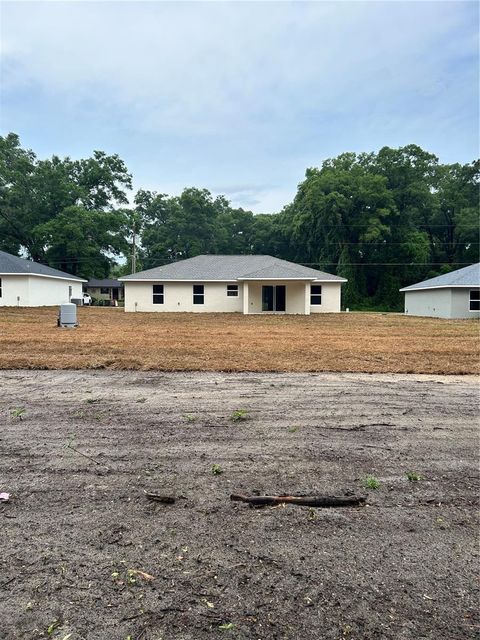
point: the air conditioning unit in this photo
(67, 315)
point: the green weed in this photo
(371, 482)
(413, 476)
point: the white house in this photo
(453, 295)
(242, 284)
(24, 283)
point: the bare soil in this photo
(78, 530)
(109, 338)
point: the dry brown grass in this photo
(355, 342)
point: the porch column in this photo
(245, 298)
(307, 298)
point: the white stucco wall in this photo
(35, 291)
(178, 296)
(435, 303)
(13, 286)
(331, 298)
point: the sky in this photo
(239, 97)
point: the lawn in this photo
(354, 342)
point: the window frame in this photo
(315, 296)
(232, 290)
(474, 299)
(158, 297)
(0, 287)
(198, 296)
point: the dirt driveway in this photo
(86, 556)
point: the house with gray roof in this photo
(108, 290)
(242, 284)
(452, 295)
(24, 283)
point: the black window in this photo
(0, 287)
(232, 290)
(475, 300)
(198, 294)
(104, 290)
(157, 294)
(316, 294)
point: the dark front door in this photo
(274, 297)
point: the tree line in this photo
(383, 220)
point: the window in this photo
(474, 300)
(104, 290)
(198, 294)
(157, 293)
(232, 290)
(316, 294)
(0, 287)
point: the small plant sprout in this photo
(292, 429)
(228, 626)
(18, 413)
(311, 514)
(189, 417)
(413, 476)
(238, 415)
(371, 482)
(216, 469)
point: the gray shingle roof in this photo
(466, 277)
(20, 266)
(106, 282)
(225, 268)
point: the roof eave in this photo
(43, 275)
(440, 286)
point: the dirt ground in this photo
(357, 342)
(78, 530)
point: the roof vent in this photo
(67, 315)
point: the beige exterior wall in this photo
(295, 297)
(178, 296)
(331, 298)
(35, 291)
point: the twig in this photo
(69, 446)
(157, 498)
(302, 501)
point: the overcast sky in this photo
(239, 97)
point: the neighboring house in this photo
(244, 284)
(106, 289)
(453, 295)
(24, 283)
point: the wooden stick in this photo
(302, 501)
(157, 498)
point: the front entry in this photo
(274, 297)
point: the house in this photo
(242, 284)
(24, 283)
(453, 295)
(107, 290)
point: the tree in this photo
(38, 199)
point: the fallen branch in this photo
(302, 501)
(157, 498)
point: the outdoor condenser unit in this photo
(67, 315)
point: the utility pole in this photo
(134, 251)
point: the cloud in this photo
(242, 91)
